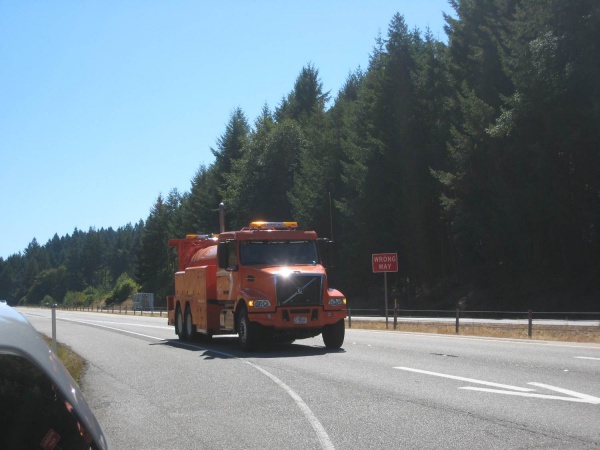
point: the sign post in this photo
(385, 262)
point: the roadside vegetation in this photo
(74, 363)
(540, 332)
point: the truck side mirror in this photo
(223, 255)
(326, 252)
(227, 256)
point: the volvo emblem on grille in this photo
(299, 291)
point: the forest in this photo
(476, 160)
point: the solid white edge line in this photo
(587, 357)
(314, 422)
(115, 329)
(326, 443)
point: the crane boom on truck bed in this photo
(265, 282)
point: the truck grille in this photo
(299, 290)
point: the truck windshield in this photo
(278, 253)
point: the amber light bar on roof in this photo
(261, 224)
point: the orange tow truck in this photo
(266, 282)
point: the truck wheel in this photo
(248, 332)
(333, 335)
(178, 322)
(189, 329)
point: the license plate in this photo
(300, 320)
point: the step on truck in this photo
(266, 283)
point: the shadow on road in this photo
(226, 347)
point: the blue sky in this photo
(104, 105)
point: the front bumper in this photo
(296, 318)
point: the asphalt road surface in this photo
(382, 390)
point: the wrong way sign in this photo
(384, 262)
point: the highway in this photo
(383, 389)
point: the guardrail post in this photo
(457, 330)
(530, 327)
(349, 318)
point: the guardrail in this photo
(116, 309)
(481, 318)
(588, 322)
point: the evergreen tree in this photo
(263, 176)
(398, 136)
(477, 199)
(548, 128)
(155, 265)
(230, 144)
(306, 99)
(318, 168)
(198, 210)
(258, 186)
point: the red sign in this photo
(385, 262)
(50, 440)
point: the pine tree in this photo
(549, 127)
(318, 171)
(306, 99)
(155, 260)
(477, 198)
(258, 185)
(230, 144)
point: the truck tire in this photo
(248, 332)
(333, 335)
(178, 322)
(189, 329)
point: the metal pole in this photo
(395, 313)
(530, 327)
(386, 299)
(349, 318)
(330, 218)
(457, 320)
(54, 329)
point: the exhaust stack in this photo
(221, 217)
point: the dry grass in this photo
(547, 333)
(74, 363)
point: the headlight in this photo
(260, 303)
(337, 301)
